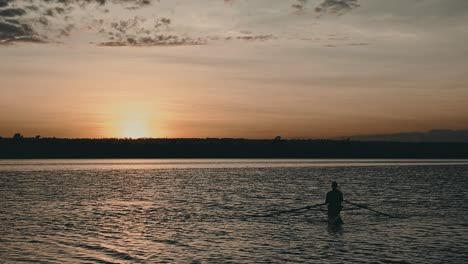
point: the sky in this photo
(232, 68)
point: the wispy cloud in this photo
(12, 12)
(12, 30)
(144, 22)
(4, 3)
(336, 6)
(139, 31)
(299, 5)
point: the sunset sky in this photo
(232, 68)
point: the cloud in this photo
(56, 11)
(15, 31)
(4, 3)
(12, 28)
(336, 6)
(299, 5)
(358, 44)
(12, 12)
(158, 40)
(65, 32)
(253, 38)
(48, 20)
(83, 3)
(328, 6)
(140, 31)
(121, 22)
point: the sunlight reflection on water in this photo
(140, 211)
(98, 164)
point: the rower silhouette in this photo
(334, 200)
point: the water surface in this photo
(204, 211)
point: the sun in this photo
(134, 129)
(132, 121)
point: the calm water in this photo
(203, 211)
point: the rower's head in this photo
(334, 185)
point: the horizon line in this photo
(277, 137)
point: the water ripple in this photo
(136, 213)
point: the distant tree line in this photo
(19, 146)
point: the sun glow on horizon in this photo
(134, 129)
(132, 121)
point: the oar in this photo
(365, 207)
(288, 211)
(351, 209)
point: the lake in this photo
(210, 211)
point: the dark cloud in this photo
(44, 21)
(140, 31)
(34, 4)
(140, 3)
(51, 17)
(65, 32)
(4, 3)
(54, 20)
(135, 26)
(15, 31)
(158, 40)
(299, 5)
(32, 8)
(11, 28)
(336, 6)
(254, 37)
(12, 12)
(57, 11)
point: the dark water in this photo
(202, 211)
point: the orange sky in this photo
(340, 76)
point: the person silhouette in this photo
(334, 200)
